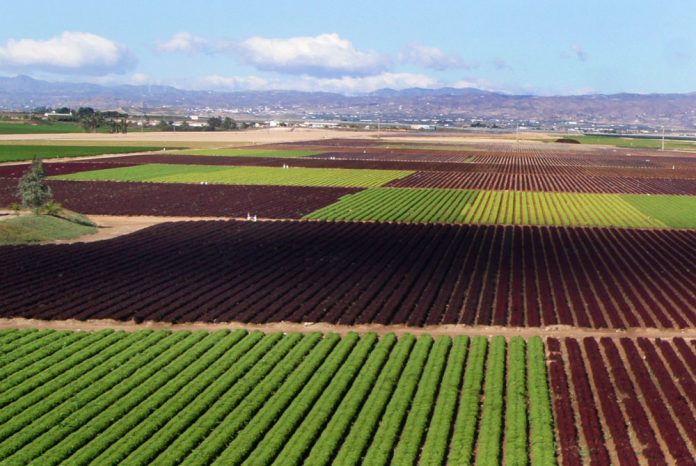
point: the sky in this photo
(541, 47)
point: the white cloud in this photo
(322, 55)
(183, 42)
(232, 83)
(431, 57)
(70, 52)
(486, 85)
(352, 84)
(343, 85)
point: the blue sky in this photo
(541, 47)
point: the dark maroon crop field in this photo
(362, 273)
(64, 168)
(545, 183)
(634, 399)
(188, 200)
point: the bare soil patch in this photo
(555, 331)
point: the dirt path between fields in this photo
(559, 331)
(112, 226)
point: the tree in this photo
(83, 112)
(228, 124)
(92, 122)
(164, 125)
(214, 123)
(32, 189)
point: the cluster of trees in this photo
(214, 124)
(89, 118)
(227, 124)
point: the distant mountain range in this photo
(654, 110)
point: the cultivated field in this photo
(14, 153)
(624, 401)
(362, 273)
(513, 208)
(517, 303)
(250, 152)
(165, 173)
(223, 398)
(187, 200)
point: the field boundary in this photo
(553, 331)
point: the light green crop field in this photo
(17, 152)
(231, 398)
(164, 173)
(242, 152)
(675, 211)
(20, 127)
(35, 228)
(635, 143)
(518, 208)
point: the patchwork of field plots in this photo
(586, 252)
(512, 208)
(164, 173)
(232, 398)
(551, 174)
(362, 273)
(510, 157)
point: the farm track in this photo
(452, 330)
(356, 273)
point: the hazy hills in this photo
(673, 110)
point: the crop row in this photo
(623, 401)
(545, 183)
(362, 273)
(236, 397)
(419, 205)
(191, 200)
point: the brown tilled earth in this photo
(555, 331)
